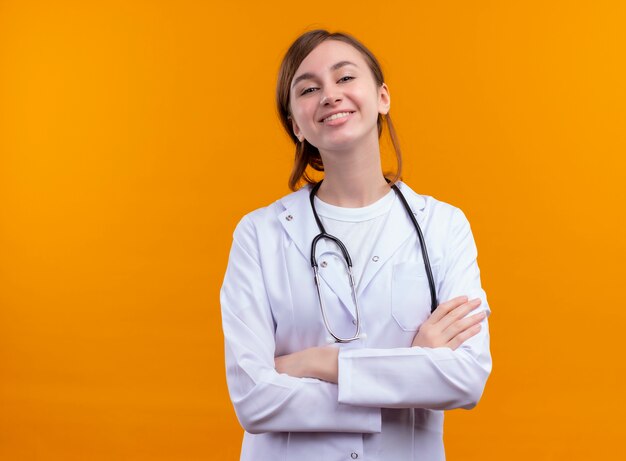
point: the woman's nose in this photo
(330, 99)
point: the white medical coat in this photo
(389, 401)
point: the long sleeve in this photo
(418, 377)
(264, 400)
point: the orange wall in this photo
(135, 134)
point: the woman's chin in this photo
(344, 143)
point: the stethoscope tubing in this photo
(348, 261)
(427, 268)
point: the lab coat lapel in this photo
(396, 230)
(299, 223)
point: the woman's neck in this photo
(353, 179)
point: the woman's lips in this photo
(338, 118)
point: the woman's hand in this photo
(447, 327)
(315, 362)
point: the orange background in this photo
(135, 134)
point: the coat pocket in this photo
(410, 295)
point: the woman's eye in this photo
(307, 90)
(346, 78)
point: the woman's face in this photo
(335, 100)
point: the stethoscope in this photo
(348, 263)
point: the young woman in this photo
(352, 309)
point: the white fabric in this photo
(357, 228)
(390, 396)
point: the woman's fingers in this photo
(448, 325)
(444, 308)
(460, 327)
(459, 339)
(459, 312)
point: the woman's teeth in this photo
(336, 116)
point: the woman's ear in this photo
(384, 99)
(296, 129)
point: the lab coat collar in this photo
(395, 232)
(298, 221)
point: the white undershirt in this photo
(357, 228)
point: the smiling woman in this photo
(344, 94)
(360, 359)
(344, 71)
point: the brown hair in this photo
(307, 154)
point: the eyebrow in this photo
(309, 75)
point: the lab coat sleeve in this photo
(264, 400)
(421, 377)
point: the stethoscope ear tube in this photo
(332, 238)
(323, 234)
(312, 199)
(427, 268)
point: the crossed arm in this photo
(448, 326)
(447, 367)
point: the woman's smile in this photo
(338, 118)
